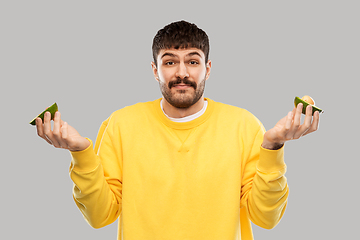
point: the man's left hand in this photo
(290, 127)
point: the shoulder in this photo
(228, 110)
(234, 115)
(135, 108)
(132, 113)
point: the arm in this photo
(265, 188)
(96, 192)
(97, 177)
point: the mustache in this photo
(184, 81)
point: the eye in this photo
(193, 62)
(169, 63)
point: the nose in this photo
(182, 71)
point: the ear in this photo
(208, 69)
(155, 71)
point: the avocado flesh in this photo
(305, 104)
(52, 109)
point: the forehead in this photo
(180, 53)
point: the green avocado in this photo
(305, 104)
(52, 109)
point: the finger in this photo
(56, 132)
(304, 128)
(64, 133)
(40, 129)
(289, 120)
(64, 130)
(315, 124)
(47, 130)
(296, 122)
(47, 127)
(316, 121)
(287, 126)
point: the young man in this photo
(183, 166)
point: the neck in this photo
(175, 112)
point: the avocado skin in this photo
(305, 104)
(52, 109)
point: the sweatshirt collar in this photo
(187, 118)
(183, 125)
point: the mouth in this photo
(181, 86)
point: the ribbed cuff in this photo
(85, 160)
(271, 160)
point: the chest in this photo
(178, 158)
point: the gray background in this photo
(93, 57)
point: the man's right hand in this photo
(62, 136)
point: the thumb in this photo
(64, 131)
(74, 141)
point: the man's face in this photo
(181, 74)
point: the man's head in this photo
(181, 64)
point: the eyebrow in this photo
(168, 54)
(173, 55)
(193, 53)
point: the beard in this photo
(182, 98)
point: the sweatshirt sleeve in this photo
(96, 192)
(264, 189)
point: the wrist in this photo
(81, 146)
(84, 161)
(271, 145)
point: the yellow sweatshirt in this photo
(199, 180)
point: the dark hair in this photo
(180, 35)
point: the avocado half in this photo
(52, 109)
(305, 104)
